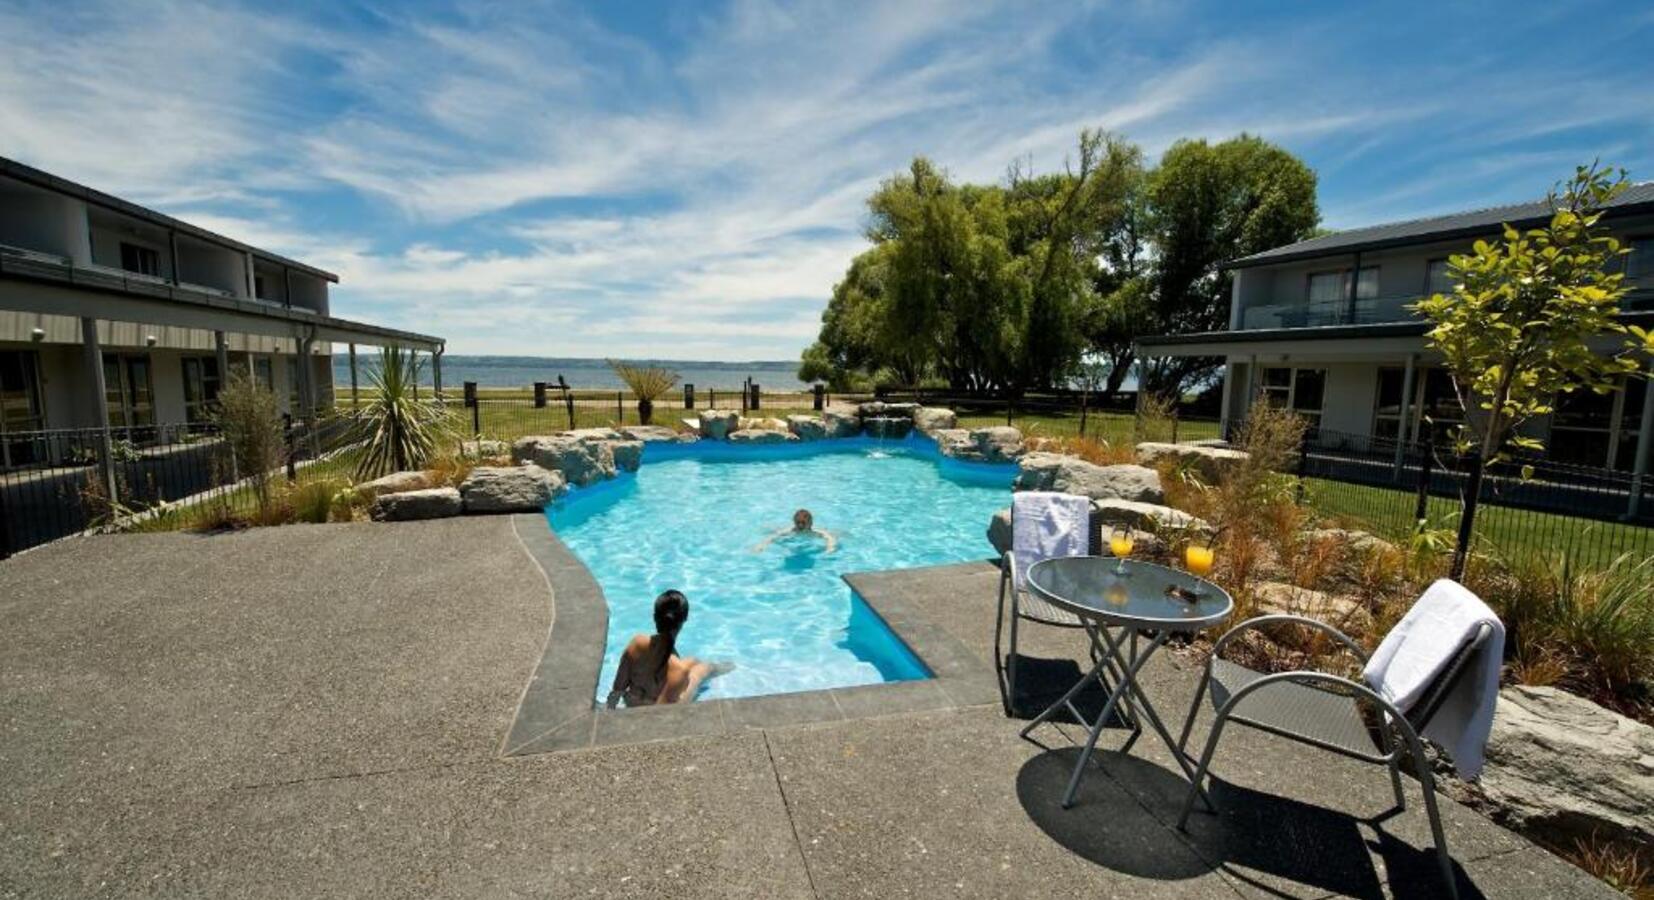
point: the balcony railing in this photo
(1392, 308)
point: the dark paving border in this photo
(557, 710)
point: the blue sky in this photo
(687, 180)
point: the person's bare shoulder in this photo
(639, 644)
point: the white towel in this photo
(1046, 524)
(1421, 645)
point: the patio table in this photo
(1137, 605)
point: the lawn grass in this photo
(1501, 530)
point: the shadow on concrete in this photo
(1273, 843)
(1041, 682)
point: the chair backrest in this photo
(1442, 685)
(1062, 529)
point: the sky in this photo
(688, 180)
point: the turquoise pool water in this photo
(693, 514)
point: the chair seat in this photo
(1295, 710)
(1034, 608)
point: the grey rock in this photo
(1212, 463)
(647, 433)
(716, 424)
(394, 483)
(628, 455)
(761, 436)
(808, 428)
(998, 444)
(582, 462)
(1144, 516)
(1359, 542)
(999, 531)
(762, 423)
(1344, 612)
(483, 449)
(841, 422)
(432, 503)
(1562, 766)
(1070, 475)
(931, 419)
(491, 489)
(901, 410)
(887, 426)
(594, 434)
(871, 408)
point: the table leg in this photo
(1129, 675)
(1134, 689)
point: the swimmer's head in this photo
(803, 521)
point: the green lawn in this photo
(1390, 513)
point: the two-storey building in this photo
(1326, 327)
(117, 316)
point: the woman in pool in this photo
(804, 525)
(650, 670)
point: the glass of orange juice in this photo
(1120, 544)
(1198, 557)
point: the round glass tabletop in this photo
(1088, 587)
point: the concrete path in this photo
(319, 711)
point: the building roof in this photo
(30, 175)
(1638, 197)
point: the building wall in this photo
(211, 266)
(46, 222)
(107, 239)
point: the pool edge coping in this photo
(556, 712)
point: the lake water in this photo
(523, 371)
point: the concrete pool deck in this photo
(323, 711)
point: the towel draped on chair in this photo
(1421, 646)
(1046, 525)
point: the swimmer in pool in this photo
(803, 524)
(650, 670)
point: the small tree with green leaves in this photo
(249, 416)
(1517, 330)
(647, 383)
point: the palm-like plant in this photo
(399, 431)
(648, 384)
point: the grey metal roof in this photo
(30, 175)
(1638, 197)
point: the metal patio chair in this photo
(1325, 711)
(1024, 606)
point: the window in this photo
(1300, 390)
(1437, 278)
(1432, 411)
(200, 387)
(263, 373)
(1640, 264)
(20, 406)
(128, 390)
(1330, 287)
(1582, 428)
(258, 287)
(1631, 419)
(293, 405)
(143, 260)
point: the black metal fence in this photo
(1527, 506)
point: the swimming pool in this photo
(693, 513)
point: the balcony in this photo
(1323, 313)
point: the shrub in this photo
(398, 429)
(647, 383)
(249, 416)
(313, 501)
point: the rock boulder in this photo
(490, 489)
(998, 444)
(931, 419)
(1071, 475)
(1143, 516)
(841, 422)
(483, 449)
(394, 483)
(808, 428)
(716, 424)
(1212, 463)
(1357, 541)
(405, 506)
(648, 433)
(1562, 766)
(582, 462)
(761, 436)
(628, 455)
(999, 531)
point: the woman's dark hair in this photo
(671, 610)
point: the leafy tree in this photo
(1206, 204)
(398, 430)
(1517, 330)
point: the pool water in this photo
(693, 515)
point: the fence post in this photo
(712, 398)
(1467, 518)
(1422, 509)
(287, 440)
(1010, 409)
(752, 388)
(688, 396)
(620, 408)
(1300, 455)
(1084, 393)
(568, 401)
(819, 401)
(744, 383)
(1302, 467)
(476, 408)
(539, 395)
